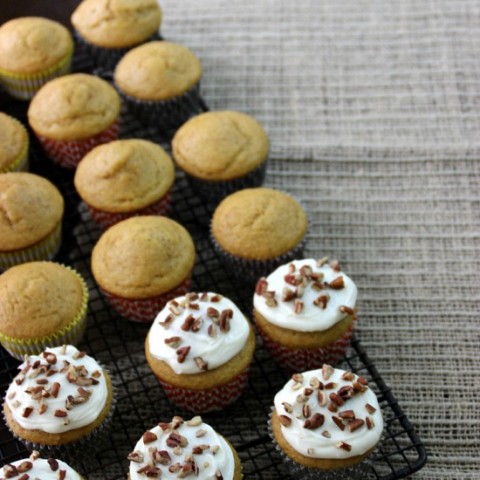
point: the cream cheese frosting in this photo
(61, 389)
(329, 413)
(180, 448)
(198, 332)
(306, 295)
(39, 468)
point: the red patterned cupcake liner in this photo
(68, 153)
(303, 359)
(107, 219)
(211, 399)
(146, 309)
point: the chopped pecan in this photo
(135, 456)
(327, 371)
(315, 421)
(284, 420)
(201, 363)
(148, 437)
(344, 446)
(182, 353)
(338, 422)
(370, 408)
(355, 424)
(187, 323)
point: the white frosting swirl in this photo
(312, 318)
(26, 408)
(214, 350)
(313, 442)
(216, 454)
(40, 468)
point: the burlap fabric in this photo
(373, 110)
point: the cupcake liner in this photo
(250, 270)
(68, 153)
(24, 86)
(103, 57)
(165, 114)
(301, 472)
(75, 451)
(71, 334)
(46, 249)
(202, 401)
(213, 192)
(303, 359)
(145, 310)
(20, 164)
(107, 219)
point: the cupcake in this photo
(200, 348)
(255, 230)
(221, 152)
(33, 50)
(125, 178)
(325, 420)
(39, 468)
(143, 262)
(14, 143)
(107, 30)
(305, 312)
(41, 304)
(61, 398)
(31, 219)
(181, 449)
(159, 82)
(73, 114)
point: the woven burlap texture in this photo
(373, 110)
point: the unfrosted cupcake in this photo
(41, 304)
(305, 312)
(35, 467)
(31, 221)
(107, 30)
(60, 398)
(33, 50)
(324, 421)
(257, 229)
(143, 262)
(14, 143)
(159, 82)
(221, 152)
(73, 114)
(125, 178)
(200, 347)
(181, 449)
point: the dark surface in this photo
(59, 10)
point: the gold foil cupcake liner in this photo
(45, 249)
(71, 334)
(24, 86)
(20, 164)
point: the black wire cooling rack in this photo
(119, 345)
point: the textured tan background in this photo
(373, 108)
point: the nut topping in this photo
(315, 421)
(261, 286)
(327, 371)
(337, 283)
(338, 422)
(148, 437)
(201, 363)
(194, 421)
(344, 446)
(182, 353)
(136, 457)
(284, 420)
(370, 408)
(355, 424)
(369, 422)
(53, 464)
(173, 342)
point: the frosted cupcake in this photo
(14, 144)
(255, 230)
(325, 420)
(35, 467)
(200, 347)
(160, 81)
(33, 50)
(73, 114)
(125, 178)
(107, 30)
(41, 304)
(31, 221)
(305, 312)
(60, 398)
(221, 152)
(143, 262)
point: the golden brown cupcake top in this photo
(220, 145)
(158, 71)
(124, 175)
(33, 44)
(143, 257)
(259, 223)
(38, 299)
(117, 23)
(13, 140)
(30, 209)
(73, 107)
